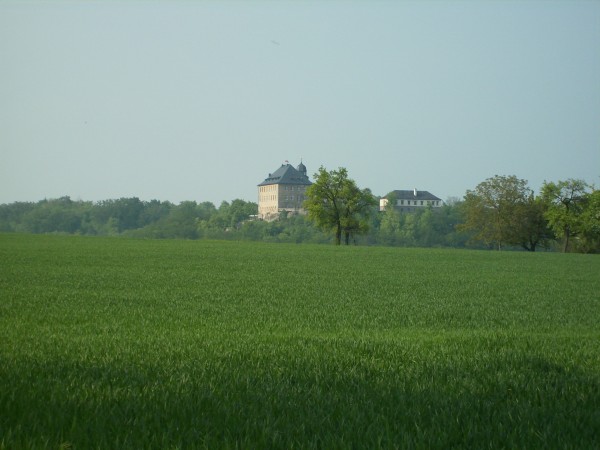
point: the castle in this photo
(283, 190)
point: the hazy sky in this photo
(185, 100)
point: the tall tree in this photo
(590, 222)
(530, 225)
(182, 221)
(335, 203)
(241, 210)
(357, 207)
(565, 203)
(496, 210)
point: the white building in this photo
(412, 200)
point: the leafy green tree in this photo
(426, 232)
(253, 230)
(302, 230)
(126, 214)
(323, 200)
(408, 229)
(154, 211)
(357, 208)
(590, 221)
(181, 222)
(221, 219)
(240, 211)
(448, 218)
(427, 227)
(11, 215)
(565, 204)
(205, 210)
(61, 215)
(336, 204)
(494, 211)
(390, 222)
(530, 225)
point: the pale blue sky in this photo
(184, 100)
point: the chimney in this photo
(415, 192)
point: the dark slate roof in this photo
(286, 174)
(410, 195)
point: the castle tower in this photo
(302, 168)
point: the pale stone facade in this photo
(283, 190)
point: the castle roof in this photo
(286, 174)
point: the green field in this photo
(113, 343)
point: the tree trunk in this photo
(532, 245)
(567, 236)
(338, 235)
(347, 238)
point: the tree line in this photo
(132, 217)
(125, 216)
(500, 213)
(504, 211)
